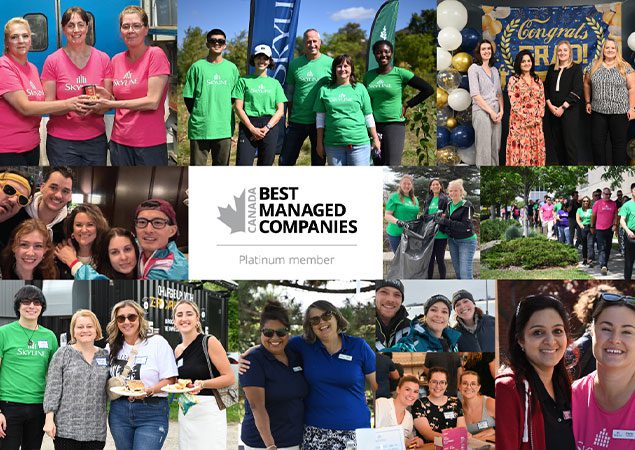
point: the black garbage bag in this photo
(415, 250)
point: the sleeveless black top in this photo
(192, 364)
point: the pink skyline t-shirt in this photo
(596, 429)
(547, 212)
(18, 133)
(130, 81)
(605, 211)
(69, 81)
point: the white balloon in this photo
(631, 41)
(451, 13)
(459, 99)
(444, 59)
(468, 155)
(450, 38)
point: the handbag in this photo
(120, 380)
(227, 396)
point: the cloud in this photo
(357, 13)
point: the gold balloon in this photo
(442, 97)
(447, 156)
(451, 123)
(462, 61)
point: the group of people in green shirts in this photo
(343, 118)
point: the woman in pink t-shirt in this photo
(75, 139)
(22, 99)
(140, 77)
(604, 401)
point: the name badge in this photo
(140, 360)
(482, 425)
(179, 363)
(449, 415)
(101, 361)
(566, 415)
(297, 369)
(624, 434)
(43, 344)
(345, 357)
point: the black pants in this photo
(629, 257)
(293, 140)
(266, 147)
(438, 254)
(615, 126)
(565, 132)
(605, 240)
(30, 158)
(587, 238)
(393, 136)
(24, 426)
(71, 444)
(574, 232)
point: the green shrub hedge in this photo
(529, 253)
(513, 232)
(494, 229)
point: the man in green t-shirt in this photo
(26, 349)
(305, 77)
(207, 94)
(627, 223)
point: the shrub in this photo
(513, 232)
(529, 253)
(494, 229)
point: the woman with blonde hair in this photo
(29, 253)
(401, 207)
(22, 99)
(563, 92)
(456, 221)
(78, 373)
(139, 422)
(196, 355)
(609, 93)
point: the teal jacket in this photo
(421, 339)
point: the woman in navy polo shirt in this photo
(275, 387)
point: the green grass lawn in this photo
(517, 273)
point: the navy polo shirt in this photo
(285, 390)
(337, 398)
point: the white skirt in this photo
(204, 427)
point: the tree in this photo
(349, 39)
(416, 52)
(424, 23)
(237, 51)
(615, 174)
(192, 50)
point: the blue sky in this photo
(233, 15)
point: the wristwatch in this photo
(268, 127)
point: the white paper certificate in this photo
(389, 438)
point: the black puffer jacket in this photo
(458, 225)
(483, 338)
(387, 336)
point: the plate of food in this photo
(181, 386)
(133, 388)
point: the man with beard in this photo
(391, 322)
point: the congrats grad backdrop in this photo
(539, 29)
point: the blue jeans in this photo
(293, 140)
(139, 425)
(342, 155)
(563, 234)
(394, 242)
(462, 253)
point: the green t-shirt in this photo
(23, 369)
(585, 216)
(453, 207)
(628, 210)
(260, 94)
(307, 77)
(557, 207)
(403, 211)
(386, 91)
(345, 107)
(211, 85)
(433, 209)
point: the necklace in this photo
(30, 341)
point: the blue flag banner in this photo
(540, 29)
(383, 28)
(274, 23)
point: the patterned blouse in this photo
(439, 417)
(609, 93)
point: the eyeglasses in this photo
(132, 318)
(269, 332)
(135, 26)
(27, 302)
(470, 384)
(11, 191)
(214, 41)
(157, 224)
(607, 297)
(328, 315)
(438, 382)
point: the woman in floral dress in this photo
(526, 141)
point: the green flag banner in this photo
(383, 28)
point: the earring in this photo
(522, 348)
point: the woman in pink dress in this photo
(22, 99)
(526, 141)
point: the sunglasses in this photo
(269, 332)
(607, 297)
(317, 319)
(11, 191)
(214, 41)
(27, 302)
(132, 318)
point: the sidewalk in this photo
(616, 268)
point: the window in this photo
(39, 31)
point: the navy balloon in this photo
(462, 136)
(465, 83)
(470, 39)
(443, 137)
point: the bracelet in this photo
(70, 266)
